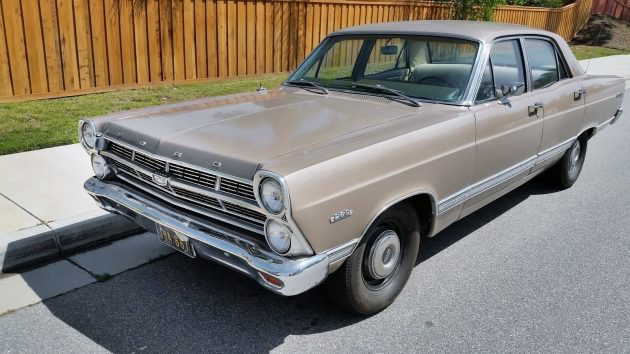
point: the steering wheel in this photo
(435, 81)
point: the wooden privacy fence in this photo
(54, 48)
(615, 8)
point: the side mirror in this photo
(508, 90)
(389, 50)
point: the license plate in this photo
(175, 239)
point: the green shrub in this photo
(537, 3)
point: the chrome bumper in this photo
(227, 246)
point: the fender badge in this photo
(340, 215)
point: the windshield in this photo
(430, 68)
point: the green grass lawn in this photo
(587, 52)
(40, 124)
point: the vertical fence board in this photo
(16, 47)
(222, 45)
(211, 37)
(99, 42)
(251, 37)
(231, 37)
(166, 39)
(260, 37)
(241, 36)
(34, 46)
(269, 43)
(127, 42)
(142, 42)
(84, 43)
(52, 48)
(179, 66)
(153, 38)
(189, 40)
(112, 28)
(6, 88)
(200, 39)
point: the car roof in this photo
(474, 30)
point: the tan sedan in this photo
(385, 134)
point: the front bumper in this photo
(219, 243)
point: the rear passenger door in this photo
(508, 130)
(562, 97)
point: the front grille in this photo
(240, 210)
(197, 197)
(237, 188)
(190, 175)
(194, 176)
(149, 162)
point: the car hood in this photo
(235, 134)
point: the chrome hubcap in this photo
(575, 156)
(384, 254)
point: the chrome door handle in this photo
(577, 95)
(533, 109)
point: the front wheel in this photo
(567, 170)
(378, 269)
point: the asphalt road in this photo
(538, 270)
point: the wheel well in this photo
(588, 133)
(424, 208)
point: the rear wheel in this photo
(567, 170)
(373, 276)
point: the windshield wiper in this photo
(414, 102)
(302, 82)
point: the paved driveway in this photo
(537, 270)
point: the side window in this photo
(541, 56)
(507, 64)
(486, 89)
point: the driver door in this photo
(508, 130)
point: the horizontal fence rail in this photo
(54, 48)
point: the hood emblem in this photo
(143, 143)
(160, 180)
(177, 154)
(216, 164)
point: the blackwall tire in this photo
(368, 281)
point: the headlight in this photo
(272, 196)
(278, 236)
(100, 166)
(87, 134)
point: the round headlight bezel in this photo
(85, 141)
(271, 236)
(275, 184)
(105, 169)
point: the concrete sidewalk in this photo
(44, 210)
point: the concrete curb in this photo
(48, 240)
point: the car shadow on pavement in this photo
(178, 304)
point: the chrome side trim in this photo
(458, 198)
(604, 125)
(554, 151)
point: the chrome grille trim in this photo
(194, 186)
(211, 213)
